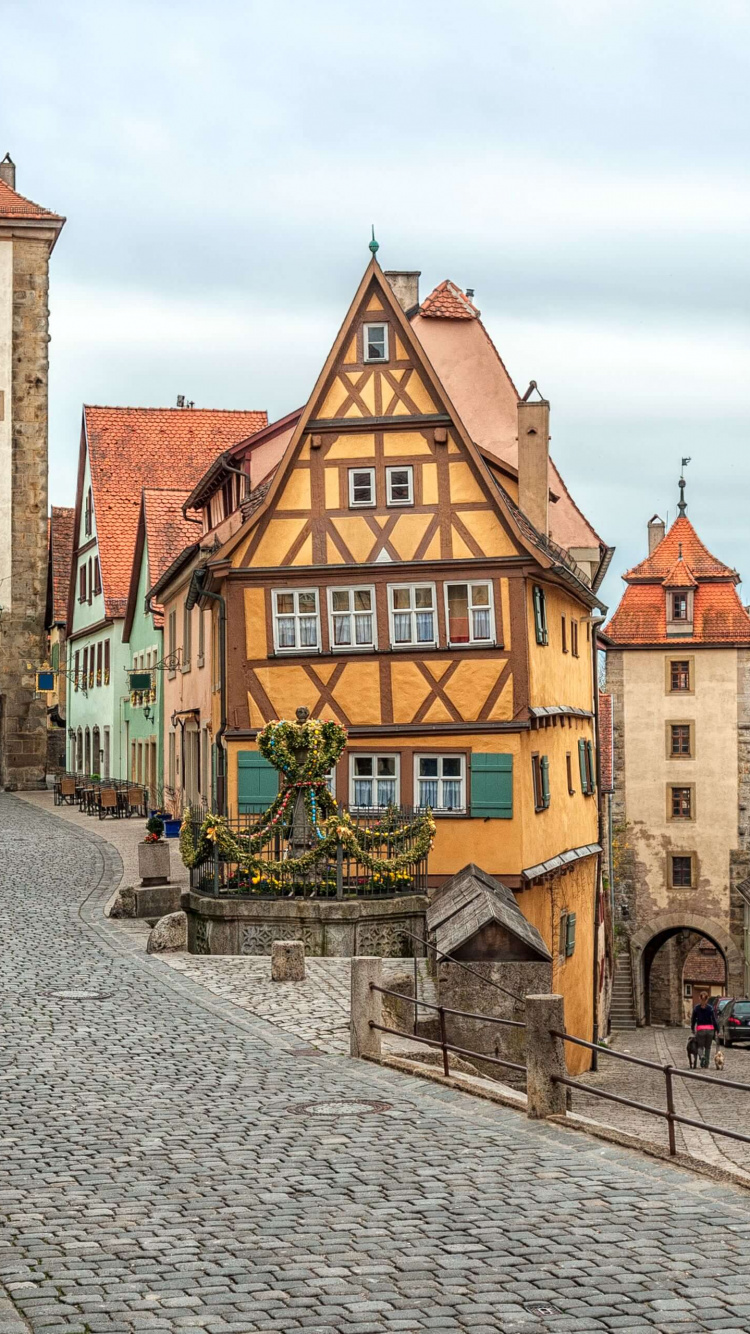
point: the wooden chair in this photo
(136, 801)
(108, 803)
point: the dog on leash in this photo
(719, 1059)
(692, 1051)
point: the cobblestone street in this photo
(708, 1102)
(165, 1168)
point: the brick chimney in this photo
(8, 171)
(405, 284)
(656, 530)
(533, 461)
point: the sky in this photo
(582, 164)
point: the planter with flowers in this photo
(153, 854)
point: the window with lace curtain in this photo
(412, 614)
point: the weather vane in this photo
(373, 246)
(682, 507)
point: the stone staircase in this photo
(623, 1009)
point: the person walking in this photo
(703, 1024)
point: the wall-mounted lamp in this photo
(147, 712)
(72, 733)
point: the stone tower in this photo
(27, 236)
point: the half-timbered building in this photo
(396, 572)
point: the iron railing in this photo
(443, 1043)
(667, 1113)
(339, 876)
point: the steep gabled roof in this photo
(680, 560)
(133, 448)
(13, 205)
(60, 557)
(162, 532)
(448, 302)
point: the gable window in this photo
(680, 740)
(540, 615)
(679, 607)
(295, 619)
(82, 583)
(351, 617)
(574, 636)
(412, 609)
(470, 613)
(682, 872)
(88, 514)
(374, 780)
(540, 779)
(361, 486)
(399, 485)
(440, 782)
(375, 342)
(679, 674)
(681, 803)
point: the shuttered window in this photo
(583, 765)
(540, 615)
(257, 782)
(492, 786)
(591, 766)
(570, 934)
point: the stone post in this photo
(288, 961)
(366, 1006)
(545, 1056)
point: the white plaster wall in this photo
(714, 771)
(6, 425)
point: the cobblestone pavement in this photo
(163, 1169)
(707, 1102)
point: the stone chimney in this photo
(8, 171)
(405, 286)
(656, 530)
(533, 462)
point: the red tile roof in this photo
(13, 205)
(606, 743)
(681, 538)
(168, 532)
(61, 529)
(133, 448)
(448, 302)
(718, 615)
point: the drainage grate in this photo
(339, 1107)
(542, 1308)
(76, 995)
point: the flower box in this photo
(153, 862)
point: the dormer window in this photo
(680, 611)
(679, 607)
(375, 342)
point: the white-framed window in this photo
(440, 782)
(375, 342)
(296, 623)
(413, 614)
(399, 486)
(374, 780)
(361, 487)
(351, 618)
(470, 613)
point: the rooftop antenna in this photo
(682, 506)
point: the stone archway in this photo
(645, 943)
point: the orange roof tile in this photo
(133, 448)
(680, 576)
(61, 530)
(448, 302)
(13, 205)
(681, 537)
(168, 532)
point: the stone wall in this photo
(459, 990)
(23, 725)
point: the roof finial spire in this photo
(682, 506)
(373, 246)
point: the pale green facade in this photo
(143, 714)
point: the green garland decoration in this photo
(320, 744)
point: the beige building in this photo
(27, 236)
(678, 670)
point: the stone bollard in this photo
(288, 961)
(545, 1056)
(366, 1005)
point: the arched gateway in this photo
(646, 943)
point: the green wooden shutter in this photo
(540, 615)
(55, 657)
(570, 934)
(257, 782)
(591, 765)
(544, 765)
(583, 766)
(492, 786)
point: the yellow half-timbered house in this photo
(396, 573)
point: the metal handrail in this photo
(464, 1014)
(669, 1114)
(444, 1045)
